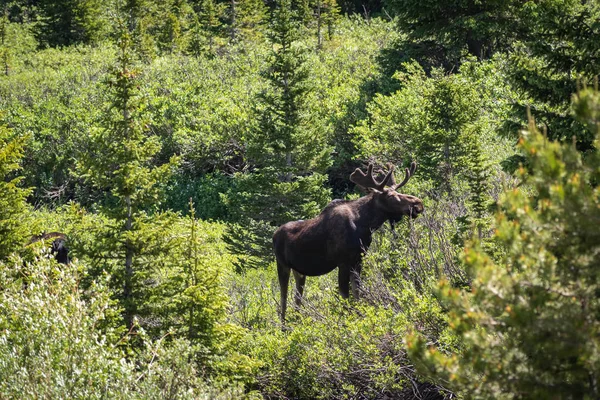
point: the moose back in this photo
(340, 235)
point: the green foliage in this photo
(448, 124)
(14, 227)
(529, 325)
(208, 25)
(168, 25)
(118, 156)
(205, 120)
(118, 162)
(208, 189)
(15, 41)
(264, 197)
(343, 73)
(440, 33)
(53, 102)
(248, 19)
(328, 15)
(439, 121)
(203, 108)
(50, 344)
(560, 48)
(288, 148)
(179, 285)
(287, 138)
(67, 22)
(188, 297)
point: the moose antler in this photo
(46, 236)
(368, 181)
(407, 175)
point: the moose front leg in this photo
(344, 281)
(349, 275)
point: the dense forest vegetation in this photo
(163, 142)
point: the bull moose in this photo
(59, 245)
(341, 234)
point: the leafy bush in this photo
(333, 348)
(206, 192)
(13, 208)
(50, 344)
(529, 325)
(439, 120)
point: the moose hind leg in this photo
(300, 280)
(283, 273)
(355, 280)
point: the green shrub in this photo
(206, 192)
(528, 326)
(332, 348)
(14, 211)
(49, 344)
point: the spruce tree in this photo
(560, 45)
(172, 25)
(287, 138)
(328, 15)
(529, 327)
(13, 206)
(246, 19)
(207, 25)
(321, 15)
(288, 150)
(5, 52)
(439, 33)
(67, 22)
(119, 163)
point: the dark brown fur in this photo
(337, 238)
(59, 245)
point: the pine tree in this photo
(119, 163)
(479, 174)
(137, 17)
(288, 150)
(208, 25)
(561, 45)
(286, 139)
(246, 19)
(13, 206)
(328, 15)
(321, 15)
(439, 33)
(172, 25)
(5, 53)
(67, 22)
(529, 327)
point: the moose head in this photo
(340, 235)
(385, 192)
(59, 245)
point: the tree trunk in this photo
(128, 285)
(233, 21)
(319, 27)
